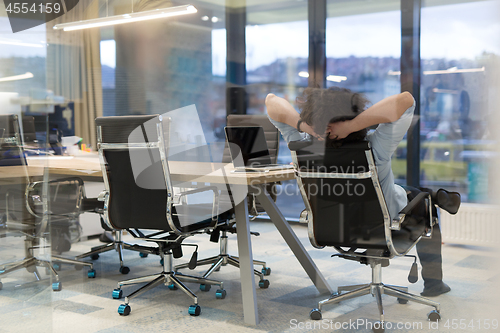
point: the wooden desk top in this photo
(88, 166)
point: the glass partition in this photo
(459, 51)
(26, 104)
(277, 52)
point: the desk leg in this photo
(293, 242)
(248, 293)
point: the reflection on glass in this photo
(459, 49)
(277, 51)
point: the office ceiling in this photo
(268, 11)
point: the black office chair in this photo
(219, 234)
(139, 197)
(346, 210)
(31, 209)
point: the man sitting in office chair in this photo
(339, 116)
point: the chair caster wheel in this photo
(220, 294)
(378, 327)
(94, 256)
(434, 315)
(161, 262)
(143, 255)
(57, 267)
(315, 314)
(57, 286)
(402, 301)
(205, 287)
(266, 271)
(264, 284)
(194, 310)
(124, 269)
(124, 310)
(1, 285)
(117, 294)
(172, 286)
(91, 273)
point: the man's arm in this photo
(386, 111)
(281, 110)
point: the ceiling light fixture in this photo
(127, 18)
(26, 75)
(451, 70)
(18, 43)
(336, 78)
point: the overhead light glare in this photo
(127, 18)
(205, 18)
(303, 74)
(445, 91)
(26, 75)
(336, 78)
(451, 70)
(215, 19)
(7, 42)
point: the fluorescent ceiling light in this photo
(17, 43)
(454, 70)
(445, 91)
(127, 18)
(451, 70)
(336, 78)
(26, 75)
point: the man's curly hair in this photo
(319, 107)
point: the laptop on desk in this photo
(251, 142)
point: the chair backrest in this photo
(11, 151)
(29, 130)
(270, 131)
(133, 155)
(345, 204)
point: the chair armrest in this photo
(215, 205)
(300, 144)
(37, 200)
(396, 223)
(102, 196)
(177, 197)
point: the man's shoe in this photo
(436, 290)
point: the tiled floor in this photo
(85, 305)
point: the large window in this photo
(276, 54)
(458, 49)
(363, 48)
(162, 65)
